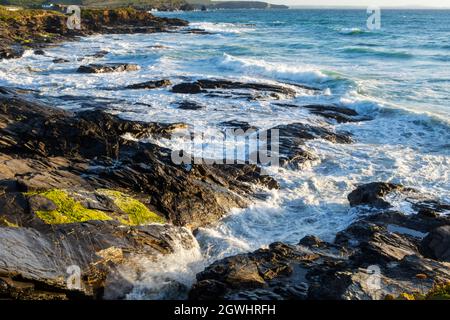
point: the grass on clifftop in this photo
(137, 212)
(69, 210)
(22, 15)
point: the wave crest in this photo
(278, 71)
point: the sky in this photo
(362, 3)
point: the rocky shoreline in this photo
(386, 254)
(37, 29)
(77, 191)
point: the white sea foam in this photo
(397, 145)
(163, 276)
(261, 68)
(214, 27)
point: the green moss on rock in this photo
(69, 210)
(137, 212)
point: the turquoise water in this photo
(406, 63)
(398, 76)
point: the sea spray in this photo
(162, 276)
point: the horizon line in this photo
(364, 7)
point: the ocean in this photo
(398, 76)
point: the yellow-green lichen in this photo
(68, 210)
(6, 223)
(137, 212)
(440, 291)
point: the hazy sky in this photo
(381, 3)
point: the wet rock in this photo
(219, 88)
(337, 113)
(230, 85)
(99, 54)
(291, 140)
(39, 52)
(189, 88)
(378, 255)
(372, 194)
(35, 263)
(11, 52)
(153, 84)
(197, 31)
(53, 148)
(109, 67)
(236, 124)
(189, 105)
(60, 60)
(437, 244)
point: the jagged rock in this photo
(437, 244)
(292, 138)
(226, 87)
(36, 264)
(191, 88)
(39, 52)
(60, 60)
(11, 52)
(109, 67)
(377, 256)
(53, 148)
(372, 194)
(337, 113)
(189, 105)
(236, 124)
(153, 84)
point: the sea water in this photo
(399, 76)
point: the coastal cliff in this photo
(29, 28)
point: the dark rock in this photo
(197, 31)
(109, 67)
(98, 249)
(378, 255)
(191, 88)
(189, 105)
(11, 52)
(153, 84)
(437, 244)
(40, 203)
(39, 52)
(218, 88)
(372, 194)
(428, 213)
(236, 124)
(99, 54)
(292, 138)
(60, 60)
(53, 148)
(339, 114)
